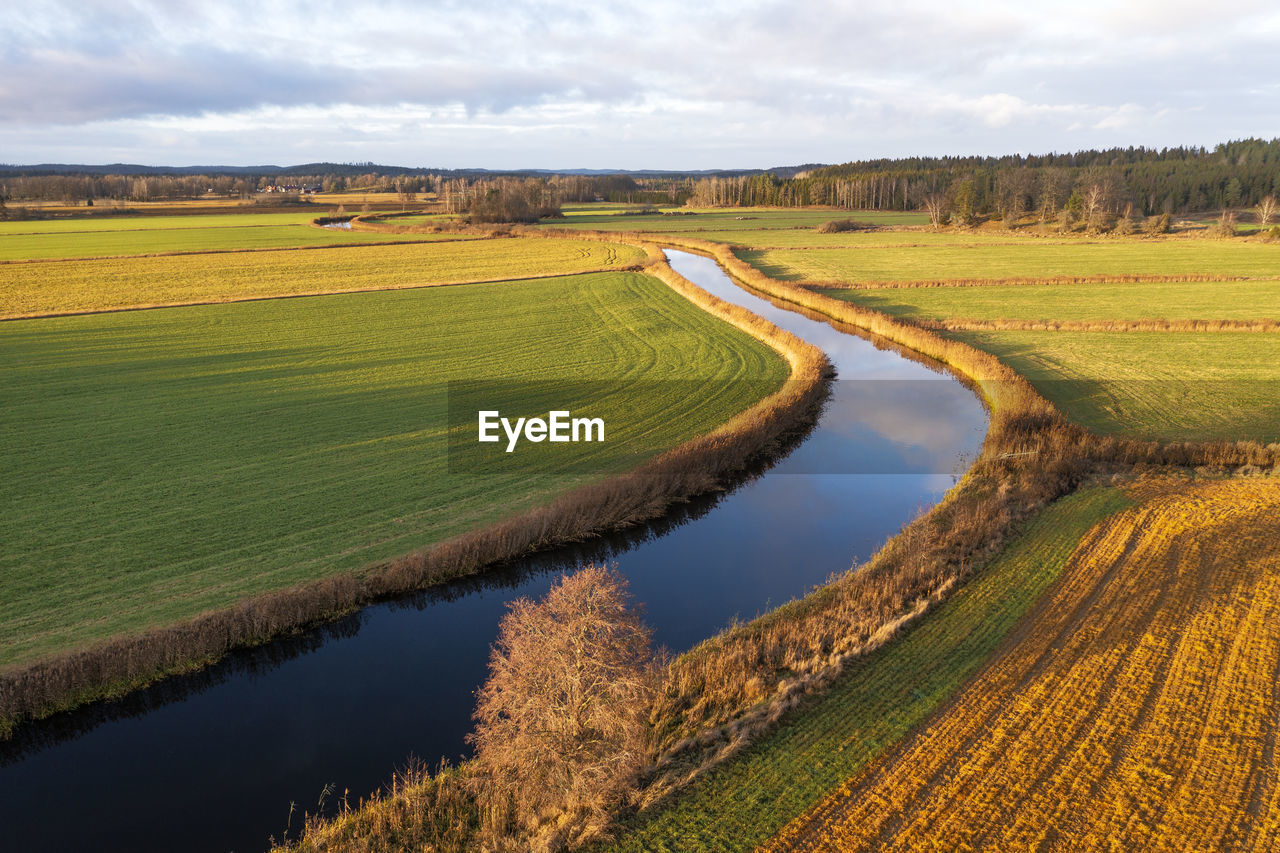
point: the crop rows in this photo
(1135, 709)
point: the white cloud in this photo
(554, 84)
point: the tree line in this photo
(456, 191)
(1144, 181)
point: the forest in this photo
(1169, 180)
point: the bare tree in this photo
(1052, 191)
(1266, 210)
(1013, 191)
(935, 204)
(1097, 195)
(561, 722)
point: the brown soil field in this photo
(1135, 707)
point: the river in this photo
(218, 760)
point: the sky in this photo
(646, 85)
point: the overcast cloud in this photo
(536, 84)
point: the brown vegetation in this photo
(962, 324)
(837, 226)
(1134, 709)
(513, 200)
(1109, 278)
(561, 722)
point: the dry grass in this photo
(1014, 281)
(1135, 708)
(964, 324)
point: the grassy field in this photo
(875, 703)
(113, 243)
(728, 219)
(1192, 385)
(160, 463)
(1135, 710)
(805, 238)
(1033, 259)
(318, 202)
(421, 219)
(71, 286)
(1216, 300)
(155, 223)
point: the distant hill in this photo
(350, 169)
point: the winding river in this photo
(226, 758)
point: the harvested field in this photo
(732, 218)
(83, 286)
(1135, 708)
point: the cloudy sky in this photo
(654, 84)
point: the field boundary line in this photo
(963, 324)
(1017, 281)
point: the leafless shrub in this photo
(561, 723)
(837, 226)
(1226, 226)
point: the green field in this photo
(70, 286)
(728, 219)
(419, 219)
(801, 238)
(160, 463)
(1033, 259)
(103, 244)
(155, 223)
(1171, 385)
(1216, 300)
(875, 702)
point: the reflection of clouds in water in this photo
(887, 414)
(859, 359)
(939, 415)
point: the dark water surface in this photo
(212, 762)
